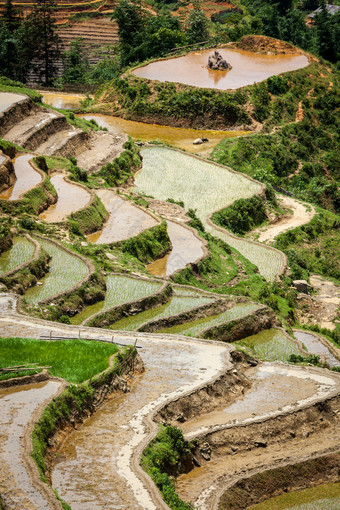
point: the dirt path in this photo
(301, 214)
(327, 299)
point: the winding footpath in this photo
(119, 432)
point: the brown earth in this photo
(267, 45)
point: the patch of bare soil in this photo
(323, 307)
(267, 45)
(297, 214)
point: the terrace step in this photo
(102, 148)
(34, 129)
(64, 143)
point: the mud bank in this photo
(7, 175)
(272, 483)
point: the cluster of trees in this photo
(143, 35)
(29, 44)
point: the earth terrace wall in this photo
(74, 403)
(285, 479)
(17, 279)
(7, 174)
(105, 319)
(44, 191)
(242, 327)
(15, 113)
(219, 306)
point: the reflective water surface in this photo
(26, 178)
(247, 68)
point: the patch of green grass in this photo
(73, 360)
(8, 85)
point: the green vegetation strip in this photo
(73, 360)
(89, 219)
(22, 251)
(271, 344)
(195, 327)
(176, 304)
(66, 271)
(119, 289)
(161, 458)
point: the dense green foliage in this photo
(161, 458)
(243, 215)
(300, 157)
(90, 219)
(5, 235)
(122, 168)
(313, 248)
(149, 245)
(73, 360)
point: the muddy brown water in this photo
(71, 198)
(178, 137)
(247, 68)
(7, 99)
(64, 101)
(125, 220)
(186, 248)
(26, 178)
(17, 407)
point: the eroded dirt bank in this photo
(271, 483)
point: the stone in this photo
(198, 141)
(217, 63)
(204, 139)
(301, 286)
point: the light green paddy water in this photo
(270, 344)
(206, 187)
(196, 327)
(322, 497)
(119, 289)
(21, 251)
(66, 271)
(176, 304)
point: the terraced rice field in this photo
(271, 345)
(125, 220)
(247, 68)
(71, 198)
(119, 289)
(174, 306)
(194, 328)
(206, 187)
(26, 178)
(314, 345)
(66, 271)
(21, 251)
(186, 249)
(323, 497)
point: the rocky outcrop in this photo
(7, 175)
(217, 63)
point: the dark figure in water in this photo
(217, 63)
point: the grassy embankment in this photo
(72, 360)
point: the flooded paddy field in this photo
(66, 271)
(62, 100)
(22, 251)
(186, 248)
(206, 187)
(18, 405)
(315, 346)
(177, 304)
(71, 198)
(178, 137)
(119, 289)
(126, 220)
(271, 345)
(247, 68)
(26, 178)
(194, 328)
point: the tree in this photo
(75, 62)
(11, 16)
(197, 25)
(42, 36)
(327, 30)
